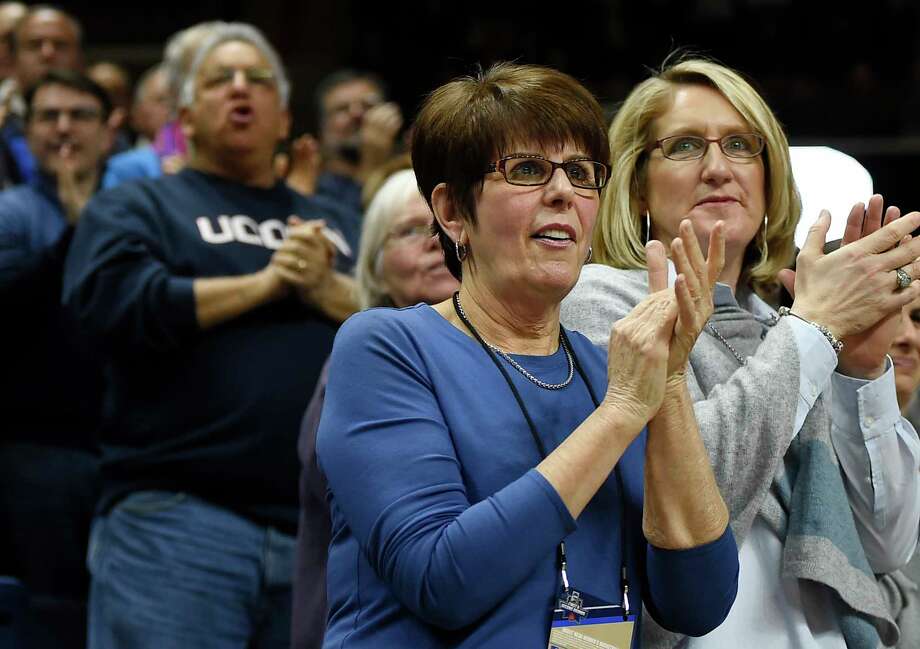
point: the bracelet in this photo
(836, 344)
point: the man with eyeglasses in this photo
(50, 391)
(167, 150)
(358, 128)
(213, 295)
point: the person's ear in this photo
(639, 189)
(643, 205)
(107, 134)
(285, 128)
(447, 214)
(185, 121)
(117, 118)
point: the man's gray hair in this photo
(179, 54)
(230, 32)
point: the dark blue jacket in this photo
(19, 165)
(51, 388)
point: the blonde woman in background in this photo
(817, 467)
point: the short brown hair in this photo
(73, 80)
(474, 120)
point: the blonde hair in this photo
(388, 203)
(618, 238)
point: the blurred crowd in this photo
(201, 295)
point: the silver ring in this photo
(904, 279)
(301, 264)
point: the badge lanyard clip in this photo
(625, 592)
(562, 565)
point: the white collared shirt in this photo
(879, 453)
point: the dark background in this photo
(845, 76)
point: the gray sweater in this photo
(746, 416)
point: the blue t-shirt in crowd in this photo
(443, 533)
(134, 164)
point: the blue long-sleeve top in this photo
(443, 533)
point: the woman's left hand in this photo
(693, 288)
(863, 354)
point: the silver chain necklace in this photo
(715, 332)
(530, 377)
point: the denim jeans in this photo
(170, 570)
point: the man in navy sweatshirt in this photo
(213, 296)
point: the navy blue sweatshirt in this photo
(214, 413)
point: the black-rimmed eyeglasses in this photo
(78, 115)
(693, 147)
(532, 170)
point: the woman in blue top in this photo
(464, 443)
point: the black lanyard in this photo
(541, 447)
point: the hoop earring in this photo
(590, 254)
(461, 251)
(648, 227)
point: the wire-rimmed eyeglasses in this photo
(225, 76)
(693, 147)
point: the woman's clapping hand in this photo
(652, 343)
(696, 277)
(637, 361)
(853, 290)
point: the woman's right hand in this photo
(637, 359)
(667, 323)
(853, 288)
